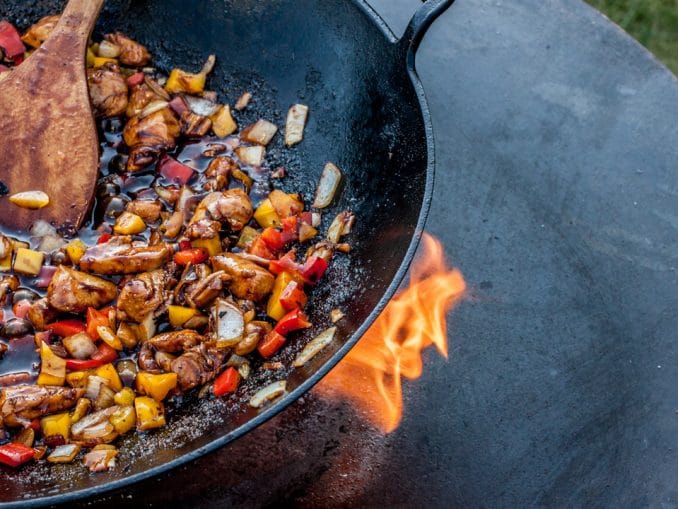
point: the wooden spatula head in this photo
(48, 139)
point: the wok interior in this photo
(364, 116)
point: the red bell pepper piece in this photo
(66, 328)
(313, 269)
(15, 454)
(10, 41)
(35, 424)
(226, 382)
(82, 364)
(293, 296)
(194, 256)
(185, 245)
(272, 238)
(290, 229)
(103, 355)
(284, 263)
(259, 248)
(136, 79)
(105, 237)
(271, 343)
(43, 337)
(306, 217)
(294, 320)
(173, 170)
(95, 319)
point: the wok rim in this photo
(280, 405)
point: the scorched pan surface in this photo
(368, 115)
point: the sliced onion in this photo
(156, 88)
(100, 460)
(201, 106)
(45, 276)
(108, 50)
(244, 370)
(315, 219)
(153, 107)
(327, 186)
(341, 225)
(94, 383)
(185, 195)
(268, 393)
(79, 346)
(314, 346)
(243, 101)
(228, 323)
(261, 132)
(64, 453)
(95, 426)
(294, 126)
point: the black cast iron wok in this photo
(368, 115)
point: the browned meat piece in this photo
(172, 342)
(254, 332)
(131, 52)
(198, 366)
(40, 313)
(190, 279)
(140, 97)
(23, 403)
(146, 358)
(141, 157)
(233, 207)
(39, 32)
(8, 284)
(194, 126)
(121, 256)
(145, 294)
(158, 130)
(218, 171)
(204, 291)
(148, 210)
(73, 291)
(5, 247)
(248, 280)
(107, 91)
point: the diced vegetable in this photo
(194, 256)
(128, 224)
(227, 382)
(327, 186)
(150, 413)
(15, 454)
(314, 346)
(156, 386)
(52, 367)
(179, 315)
(268, 393)
(261, 132)
(81, 408)
(294, 126)
(56, 424)
(272, 238)
(336, 315)
(108, 336)
(124, 419)
(124, 397)
(79, 345)
(243, 101)
(253, 155)
(65, 328)
(228, 323)
(102, 61)
(212, 246)
(247, 236)
(174, 171)
(272, 342)
(105, 353)
(223, 123)
(28, 261)
(293, 296)
(182, 81)
(341, 225)
(95, 319)
(75, 249)
(64, 453)
(285, 205)
(110, 375)
(266, 215)
(274, 308)
(10, 41)
(100, 460)
(294, 320)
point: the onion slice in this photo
(228, 323)
(314, 346)
(294, 126)
(327, 186)
(268, 393)
(64, 453)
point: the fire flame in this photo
(370, 374)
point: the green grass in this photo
(654, 23)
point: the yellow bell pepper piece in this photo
(78, 378)
(128, 224)
(90, 57)
(52, 367)
(125, 397)
(109, 372)
(57, 424)
(274, 309)
(223, 123)
(156, 386)
(6, 263)
(149, 412)
(101, 61)
(124, 419)
(28, 261)
(179, 315)
(108, 336)
(266, 215)
(75, 249)
(212, 246)
(80, 410)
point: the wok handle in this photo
(419, 24)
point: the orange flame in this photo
(369, 375)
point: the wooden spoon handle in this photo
(75, 25)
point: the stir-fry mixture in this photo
(190, 268)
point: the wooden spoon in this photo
(48, 140)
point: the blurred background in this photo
(654, 23)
